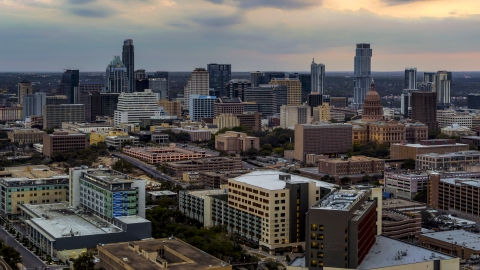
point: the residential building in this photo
(119, 142)
(362, 71)
(236, 88)
(455, 130)
(132, 107)
(24, 88)
(348, 166)
(159, 254)
(159, 86)
(449, 162)
(12, 113)
(198, 84)
(306, 81)
(33, 104)
(473, 101)
(63, 142)
(196, 135)
(443, 80)
(338, 102)
(156, 155)
(342, 227)
(100, 136)
(34, 184)
(295, 115)
(226, 120)
(252, 120)
(450, 117)
(406, 102)
(54, 115)
(228, 105)
(429, 77)
(171, 107)
(317, 73)
(128, 58)
(236, 142)
(325, 138)
(117, 78)
(216, 179)
(201, 107)
(294, 90)
(219, 75)
(25, 135)
(410, 78)
(177, 168)
(70, 80)
(438, 146)
(322, 113)
(464, 244)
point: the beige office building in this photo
(226, 120)
(322, 113)
(172, 107)
(25, 135)
(236, 142)
(198, 83)
(295, 115)
(294, 90)
(24, 88)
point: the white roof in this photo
(463, 181)
(162, 193)
(387, 252)
(460, 237)
(269, 179)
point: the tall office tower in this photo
(424, 109)
(117, 80)
(268, 97)
(197, 84)
(219, 76)
(294, 90)
(159, 74)
(201, 107)
(99, 104)
(363, 73)
(342, 227)
(429, 77)
(235, 88)
(33, 104)
(159, 86)
(141, 85)
(24, 88)
(306, 80)
(256, 78)
(442, 86)
(54, 115)
(140, 74)
(128, 59)
(406, 102)
(70, 80)
(87, 87)
(314, 100)
(473, 101)
(317, 73)
(133, 107)
(410, 78)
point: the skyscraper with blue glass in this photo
(362, 72)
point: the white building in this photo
(293, 115)
(197, 84)
(450, 117)
(201, 107)
(132, 107)
(117, 141)
(455, 130)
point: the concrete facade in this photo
(236, 142)
(404, 151)
(62, 142)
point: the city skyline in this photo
(274, 35)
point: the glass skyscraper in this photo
(362, 71)
(128, 59)
(70, 79)
(410, 78)
(116, 80)
(219, 76)
(317, 72)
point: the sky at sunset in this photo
(180, 35)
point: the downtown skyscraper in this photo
(70, 80)
(410, 78)
(116, 80)
(128, 59)
(362, 72)
(317, 73)
(219, 76)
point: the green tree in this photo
(84, 262)
(122, 166)
(366, 178)
(279, 151)
(408, 164)
(252, 152)
(442, 136)
(287, 258)
(10, 255)
(346, 180)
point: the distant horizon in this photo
(233, 71)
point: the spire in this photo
(372, 86)
(313, 60)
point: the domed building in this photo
(374, 127)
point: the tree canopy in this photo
(84, 262)
(10, 255)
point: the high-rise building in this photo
(128, 59)
(54, 115)
(429, 77)
(201, 107)
(161, 75)
(362, 71)
(410, 78)
(317, 77)
(159, 86)
(141, 85)
(132, 107)
(406, 102)
(86, 87)
(235, 88)
(24, 88)
(293, 115)
(442, 85)
(269, 75)
(268, 97)
(306, 81)
(256, 78)
(424, 109)
(70, 80)
(198, 83)
(140, 74)
(473, 101)
(219, 76)
(171, 107)
(33, 104)
(228, 105)
(294, 90)
(99, 104)
(116, 80)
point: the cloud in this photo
(403, 2)
(91, 13)
(278, 4)
(219, 21)
(81, 2)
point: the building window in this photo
(319, 254)
(313, 227)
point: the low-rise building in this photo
(191, 177)
(215, 179)
(196, 135)
(447, 162)
(450, 117)
(9, 114)
(438, 146)
(38, 147)
(400, 225)
(457, 243)
(471, 140)
(159, 194)
(204, 164)
(159, 254)
(99, 137)
(62, 142)
(236, 142)
(118, 142)
(155, 155)
(171, 107)
(25, 135)
(405, 184)
(353, 165)
(455, 130)
(87, 127)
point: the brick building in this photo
(62, 142)
(205, 164)
(354, 165)
(155, 155)
(438, 146)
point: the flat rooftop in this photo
(400, 204)
(270, 180)
(352, 159)
(462, 181)
(31, 172)
(111, 176)
(417, 145)
(462, 153)
(387, 252)
(461, 237)
(198, 258)
(340, 200)
(162, 193)
(163, 151)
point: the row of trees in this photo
(370, 149)
(81, 157)
(10, 255)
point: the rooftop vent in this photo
(285, 177)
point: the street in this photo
(29, 259)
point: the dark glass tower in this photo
(128, 59)
(219, 76)
(362, 71)
(70, 79)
